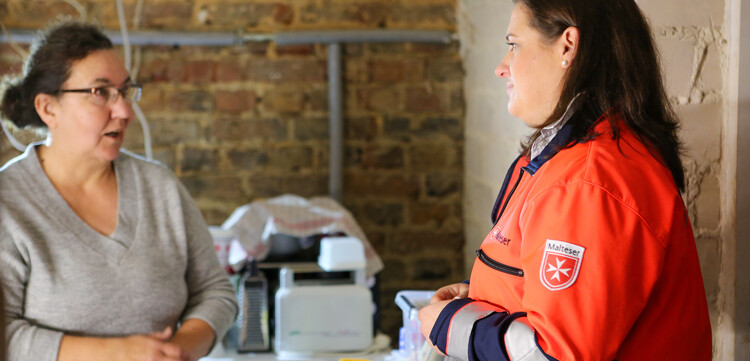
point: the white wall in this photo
(492, 136)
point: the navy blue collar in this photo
(561, 139)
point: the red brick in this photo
(287, 70)
(161, 70)
(200, 160)
(306, 129)
(235, 129)
(392, 70)
(317, 100)
(440, 127)
(199, 71)
(437, 16)
(381, 185)
(295, 50)
(444, 185)
(152, 98)
(284, 101)
(283, 14)
(382, 214)
(423, 99)
(222, 188)
(35, 14)
(383, 157)
(386, 48)
(305, 185)
(382, 99)
(165, 156)
(435, 49)
(191, 100)
(169, 131)
(12, 69)
(230, 70)
(234, 101)
(432, 268)
(216, 214)
(445, 69)
(166, 14)
(291, 158)
(231, 15)
(368, 14)
(429, 214)
(433, 156)
(361, 128)
(355, 71)
(248, 159)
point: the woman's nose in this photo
(502, 71)
(121, 109)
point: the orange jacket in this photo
(592, 258)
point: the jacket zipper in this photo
(513, 190)
(497, 265)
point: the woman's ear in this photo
(46, 107)
(570, 41)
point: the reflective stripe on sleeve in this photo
(459, 331)
(520, 342)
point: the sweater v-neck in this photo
(113, 246)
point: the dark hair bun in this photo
(47, 67)
(15, 107)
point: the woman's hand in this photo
(195, 337)
(147, 347)
(450, 292)
(151, 347)
(429, 314)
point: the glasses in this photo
(106, 95)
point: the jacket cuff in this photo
(521, 343)
(453, 328)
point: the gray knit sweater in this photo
(60, 276)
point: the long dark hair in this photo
(46, 69)
(617, 67)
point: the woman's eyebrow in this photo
(106, 81)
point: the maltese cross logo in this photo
(560, 264)
(559, 269)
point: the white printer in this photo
(325, 310)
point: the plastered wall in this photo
(691, 36)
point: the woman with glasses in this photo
(104, 255)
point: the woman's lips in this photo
(509, 88)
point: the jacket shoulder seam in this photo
(611, 195)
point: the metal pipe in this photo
(362, 36)
(336, 123)
(146, 37)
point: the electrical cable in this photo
(81, 10)
(128, 62)
(13, 44)
(13, 141)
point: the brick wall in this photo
(242, 123)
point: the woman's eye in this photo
(512, 46)
(101, 92)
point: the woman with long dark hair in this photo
(104, 254)
(592, 255)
